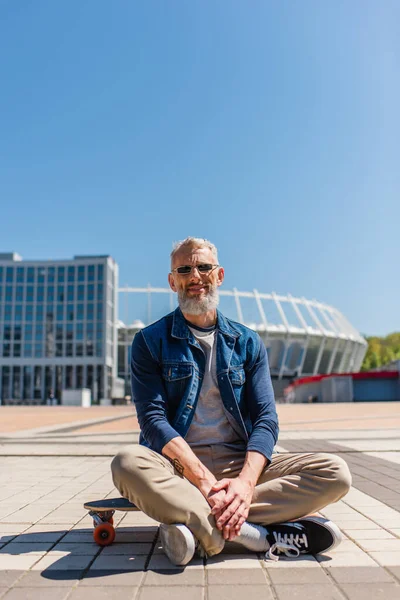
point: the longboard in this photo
(102, 512)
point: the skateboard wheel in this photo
(104, 534)
(111, 520)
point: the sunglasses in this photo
(187, 269)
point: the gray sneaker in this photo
(178, 543)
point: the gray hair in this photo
(192, 242)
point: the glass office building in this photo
(57, 327)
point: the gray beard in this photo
(195, 306)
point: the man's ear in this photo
(171, 282)
(221, 275)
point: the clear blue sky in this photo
(270, 127)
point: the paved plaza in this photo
(53, 459)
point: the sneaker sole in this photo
(331, 527)
(178, 543)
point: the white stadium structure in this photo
(303, 337)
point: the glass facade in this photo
(54, 320)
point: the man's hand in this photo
(232, 509)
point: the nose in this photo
(195, 273)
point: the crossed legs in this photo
(292, 486)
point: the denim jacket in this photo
(167, 368)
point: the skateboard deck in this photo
(102, 512)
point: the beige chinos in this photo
(292, 486)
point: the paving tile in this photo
(7, 537)
(58, 562)
(298, 576)
(171, 593)
(44, 537)
(49, 579)
(50, 593)
(236, 577)
(18, 562)
(161, 562)
(104, 577)
(360, 575)
(346, 559)
(88, 549)
(8, 578)
(104, 593)
(392, 545)
(308, 592)
(119, 563)
(394, 571)
(27, 548)
(233, 561)
(386, 559)
(387, 591)
(235, 592)
(369, 534)
(179, 576)
(134, 549)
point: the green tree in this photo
(381, 351)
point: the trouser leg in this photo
(295, 485)
(150, 481)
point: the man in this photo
(205, 467)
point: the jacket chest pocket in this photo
(237, 376)
(173, 373)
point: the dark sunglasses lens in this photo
(204, 268)
(184, 270)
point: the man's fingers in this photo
(220, 485)
(228, 513)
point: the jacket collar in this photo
(181, 331)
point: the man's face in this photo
(197, 291)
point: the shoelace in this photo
(287, 544)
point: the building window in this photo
(81, 293)
(27, 349)
(99, 349)
(60, 312)
(16, 391)
(39, 333)
(9, 293)
(100, 272)
(19, 293)
(50, 294)
(30, 275)
(17, 350)
(5, 383)
(79, 349)
(41, 275)
(1, 274)
(50, 275)
(71, 274)
(69, 373)
(27, 382)
(59, 332)
(17, 333)
(38, 350)
(59, 349)
(79, 331)
(61, 274)
(28, 332)
(60, 293)
(79, 376)
(29, 293)
(70, 293)
(81, 273)
(90, 311)
(40, 293)
(6, 349)
(89, 348)
(28, 312)
(79, 312)
(18, 313)
(37, 383)
(91, 273)
(69, 349)
(9, 275)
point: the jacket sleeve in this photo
(149, 396)
(261, 404)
